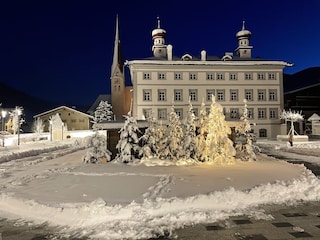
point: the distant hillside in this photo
(304, 78)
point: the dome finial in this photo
(243, 22)
(158, 20)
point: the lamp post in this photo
(62, 125)
(3, 115)
(19, 114)
(50, 121)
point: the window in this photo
(220, 76)
(179, 112)
(273, 113)
(162, 95)
(146, 76)
(147, 95)
(210, 92)
(192, 76)
(262, 132)
(178, 95)
(177, 76)
(220, 95)
(193, 94)
(261, 76)
(271, 76)
(233, 76)
(234, 113)
(261, 95)
(233, 95)
(210, 76)
(261, 113)
(147, 113)
(73, 120)
(248, 93)
(272, 95)
(162, 113)
(248, 76)
(196, 111)
(161, 76)
(250, 113)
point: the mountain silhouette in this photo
(302, 79)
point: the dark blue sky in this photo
(62, 50)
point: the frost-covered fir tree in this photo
(171, 143)
(190, 146)
(128, 144)
(98, 150)
(201, 134)
(219, 148)
(245, 150)
(149, 140)
(38, 126)
(103, 112)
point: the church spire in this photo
(117, 55)
(158, 35)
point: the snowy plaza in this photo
(119, 201)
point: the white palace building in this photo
(164, 80)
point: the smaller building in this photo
(71, 118)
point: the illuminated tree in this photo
(202, 132)
(292, 117)
(98, 150)
(103, 112)
(17, 120)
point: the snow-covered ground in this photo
(117, 201)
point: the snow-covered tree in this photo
(293, 117)
(171, 142)
(17, 119)
(103, 112)
(202, 132)
(244, 146)
(128, 144)
(98, 149)
(38, 125)
(149, 140)
(219, 148)
(190, 146)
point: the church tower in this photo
(243, 36)
(117, 79)
(158, 35)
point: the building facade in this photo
(165, 80)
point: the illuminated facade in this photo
(165, 80)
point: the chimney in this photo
(169, 52)
(203, 55)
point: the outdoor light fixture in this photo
(3, 115)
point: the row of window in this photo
(232, 114)
(213, 76)
(261, 94)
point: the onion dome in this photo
(244, 33)
(158, 32)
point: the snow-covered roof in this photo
(62, 107)
(314, 117)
